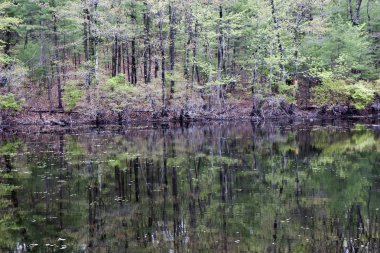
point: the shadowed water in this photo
(215, 188)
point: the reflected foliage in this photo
(216, 188)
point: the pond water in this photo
(223, 187)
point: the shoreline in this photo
(44, 121)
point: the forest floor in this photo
(241, 111)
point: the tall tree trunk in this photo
(93, 42)
(187, 55)
(300, 14)
(186, 69)
(147, 48)
(163, 81)
(128, 64)
(254, 81)
(86, 19)
(156, 68)
(123, 57)
(114, 56)
(49, 69)
(172, 20)
(194, 69)
(220, 58)
(57, 67)
(350, 10)
(271, 68)
(26, 39)
(44, 64)
(134, 68)
(209, 58)
(355, 21)
(63, 66)
(119, 54)
(280, 46)
(369, 16)
(150, 63)
(42, 46)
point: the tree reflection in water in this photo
(216, 188)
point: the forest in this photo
(119, 60)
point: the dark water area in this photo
(222, 187)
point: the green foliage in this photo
(331, 92)
(7, 23)
(119, 93)
(29, 56)
(9, 229)
(288, 91)
(10, 102)
(344, 49)
(10, 148)
(361, 95)
(117, 83)
(72, 96)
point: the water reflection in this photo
(216, 188)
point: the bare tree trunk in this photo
(63, 67)
(86, 20)
(300, 14)
(350, 10)
(172, 20)
(123, 57)
(355, 21)
(114, 56)
(187, 56)
(271, 69)
(134, 69)
(369, 16)
(280, 46)
(133, 44)
(150, 63)
(194, 69)
(147, 49)
(156, 68)
(93, 42)
(254, 81)
(128, 64)
(209, 57)
(57, 67)
(42, 46)
(49, 70)
(43, 63)
(189, 32)
(119, 54)
(220, 58)
(163, 81)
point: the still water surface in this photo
(215, 188)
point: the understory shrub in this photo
(119, 93)
(288, 91)
(331, 92)
(359, 94)
(71, 96)
(10, 102)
